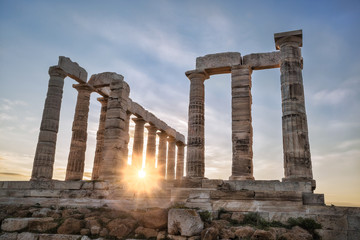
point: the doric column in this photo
(297, 160)
(127, 138)
(100, 138)
(196, 132)
(161, 164)
(151, 148)
(76, 160)
(242, 135)
(170, 172)
(180, 160)
(45, 149)
(115, 135)
(138, 147)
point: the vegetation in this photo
(205, 216)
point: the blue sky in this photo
(153, 43)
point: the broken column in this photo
(180, 160)
(76, 160)
(170, 172)
(100, 138)
(137, 154)
(242, 164)
(115, 133)
(45, 149)
(297, 160)
(161, 164)
(196, 132)
(151, 148)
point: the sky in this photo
(153, 43)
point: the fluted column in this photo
(297, 159)
(127, 138)
(112, 163)
(242, 135)
(180, 160)
(76, 160)
(170, 172)
(138, 147)
(100, 138)
(196, 129)
(161, 164)
(151, 148)
(45, 149)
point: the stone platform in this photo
(273, 200)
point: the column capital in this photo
(242, 67)
(151, 128)
(103, 100)
(180, 144)
(139, 120)
(55, 71)
(83, 87)
(197, 74)
(171, 139)
(162, 134)
(292, 37)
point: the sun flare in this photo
(142, 173)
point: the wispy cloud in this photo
(331, 97)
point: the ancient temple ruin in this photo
(109, 188)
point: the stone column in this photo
(151, 148)
(161, 164)
(45, 149)
(180, 160)
(242, 135)
(138, 147)
(196, 131)
(170, 172)
(127, 138)
(297, 160)
(115, 135)
(100, 139)
(76, 160)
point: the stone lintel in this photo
(72, 69)
(218, 63)
(104, 79)
(293, 36)
(259, 61)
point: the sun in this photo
(141, 173)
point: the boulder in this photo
(155, 218)
(210, 233)
(227, 233)
(71, 226)
(27, 236)
(14, 224)
(42, 224)
(147, 232)
(8, 236)
(186, 222)
(120, 228)
(297, 233)
(220, 224)
(244, 232)
(262, 235)
(161, 235)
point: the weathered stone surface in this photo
(244, 232)
(15, 224)
(161, 235)
(333, 234)
(353, 222)
(26, 236)
(120, 228)
(72, 69)
(297, 233)
(227, 233)
(147, 232)
(262, 235)
(8, 236)
(170, 173)
(42, 224)
(258, 61)
(219, 62)
(187, 222)
(176, 237)
(238, 216)
(71, 226)
(59, 237)
(210, 233)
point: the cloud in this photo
(12, 174)
(331, 97)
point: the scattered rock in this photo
(244, 232)
(121, 227)
(14, 224)
(42, 212)
(147, 232)
(8, 236)
(71, 226)
(226, 233)
(176, 237)
(186, 222)
(42, 224)
(297, 233)
(27, 236)
(161, 235)
(210, 233)
(155, 218)
(103, 232)
(262, 235)
(220, 224)
(238, 216)
(85, 231)
(225, 216)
